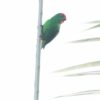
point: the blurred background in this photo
(70, 64)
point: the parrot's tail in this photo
(43, 43)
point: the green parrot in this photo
(51, 28)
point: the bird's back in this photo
(50, 30)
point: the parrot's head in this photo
(60, 18)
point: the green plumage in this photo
(51, 28)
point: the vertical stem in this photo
(38, 52)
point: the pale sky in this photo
(18, 29)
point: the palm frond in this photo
(97, 22)
(85, 73)
(86, 40)
(94, 22)
(96, 26)
(87, 92)
(85, 65)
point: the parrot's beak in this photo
(63, 20)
